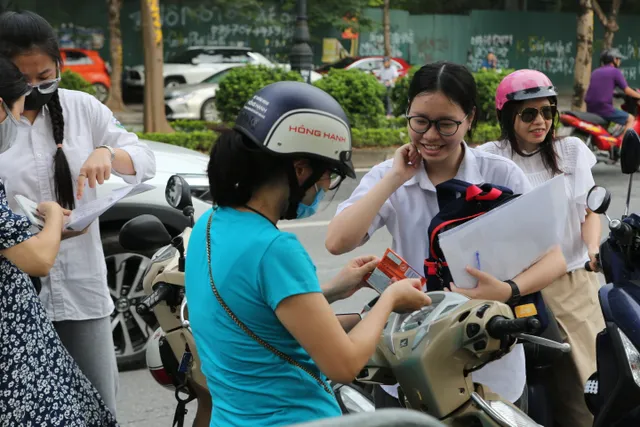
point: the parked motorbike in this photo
(172, 356)
(431, 353)
(613, 392)
(602, 137)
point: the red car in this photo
(91, 67)
(370, 64)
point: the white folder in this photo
(510, 238)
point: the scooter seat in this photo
(588, 117)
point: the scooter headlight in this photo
(633, 357)
(503, 414)
(513, 417)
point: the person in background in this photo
(604, 80)
(67, 143)
(40, 382)
(388, 76)
(490, 62)
(400, 194)
(526, 102)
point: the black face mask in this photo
(36, 100)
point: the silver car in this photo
(195, 101)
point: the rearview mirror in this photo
(177, 193)
(144, 233)
(630, 152)
(353, 399)
(598, 199)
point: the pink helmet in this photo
(523, 84)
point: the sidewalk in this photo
(132, 119)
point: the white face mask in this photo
(8, 130)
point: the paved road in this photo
(142, 403)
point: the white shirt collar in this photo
(468, 172)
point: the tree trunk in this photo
(611, 25)
(584, 53)
(386, 28)
(115, 102)
(155, 119)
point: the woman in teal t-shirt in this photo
(265, 332)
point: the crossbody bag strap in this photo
(248, 331)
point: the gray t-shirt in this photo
(388, 74)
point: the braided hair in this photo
(23, 32)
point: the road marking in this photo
(362, 169)
(304, 224)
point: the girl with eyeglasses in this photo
(67, 142)
(40, 382)
(400, 194)
(526, 104)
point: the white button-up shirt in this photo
(407, 215)
(76, 288)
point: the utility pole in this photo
(301, 56)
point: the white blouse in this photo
(407, 214)
(575, 160)
(76, 287)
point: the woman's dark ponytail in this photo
(62, 174)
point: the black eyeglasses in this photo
(547, 112)
(445, 127)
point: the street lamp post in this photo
(301, 55)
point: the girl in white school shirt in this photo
(526, 102)
(66, 140)
(402, 197)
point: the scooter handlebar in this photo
(159, 294)
(500, 327)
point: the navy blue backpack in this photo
(459, 202)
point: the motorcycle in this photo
(431, 352)
(171, 354)
(612, 393)
(603, 138)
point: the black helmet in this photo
(299, 120)
(609, 55)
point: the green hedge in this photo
(487, 82)
(240, 83)
(485, 132)
(400, 93)
(200, 135)
(360, 95)
(74, 81)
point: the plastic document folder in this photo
(510, 238)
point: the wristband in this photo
(515, 293)
(111, 150)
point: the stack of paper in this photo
(84, 215)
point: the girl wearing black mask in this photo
(41, 383)
(67, 142)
